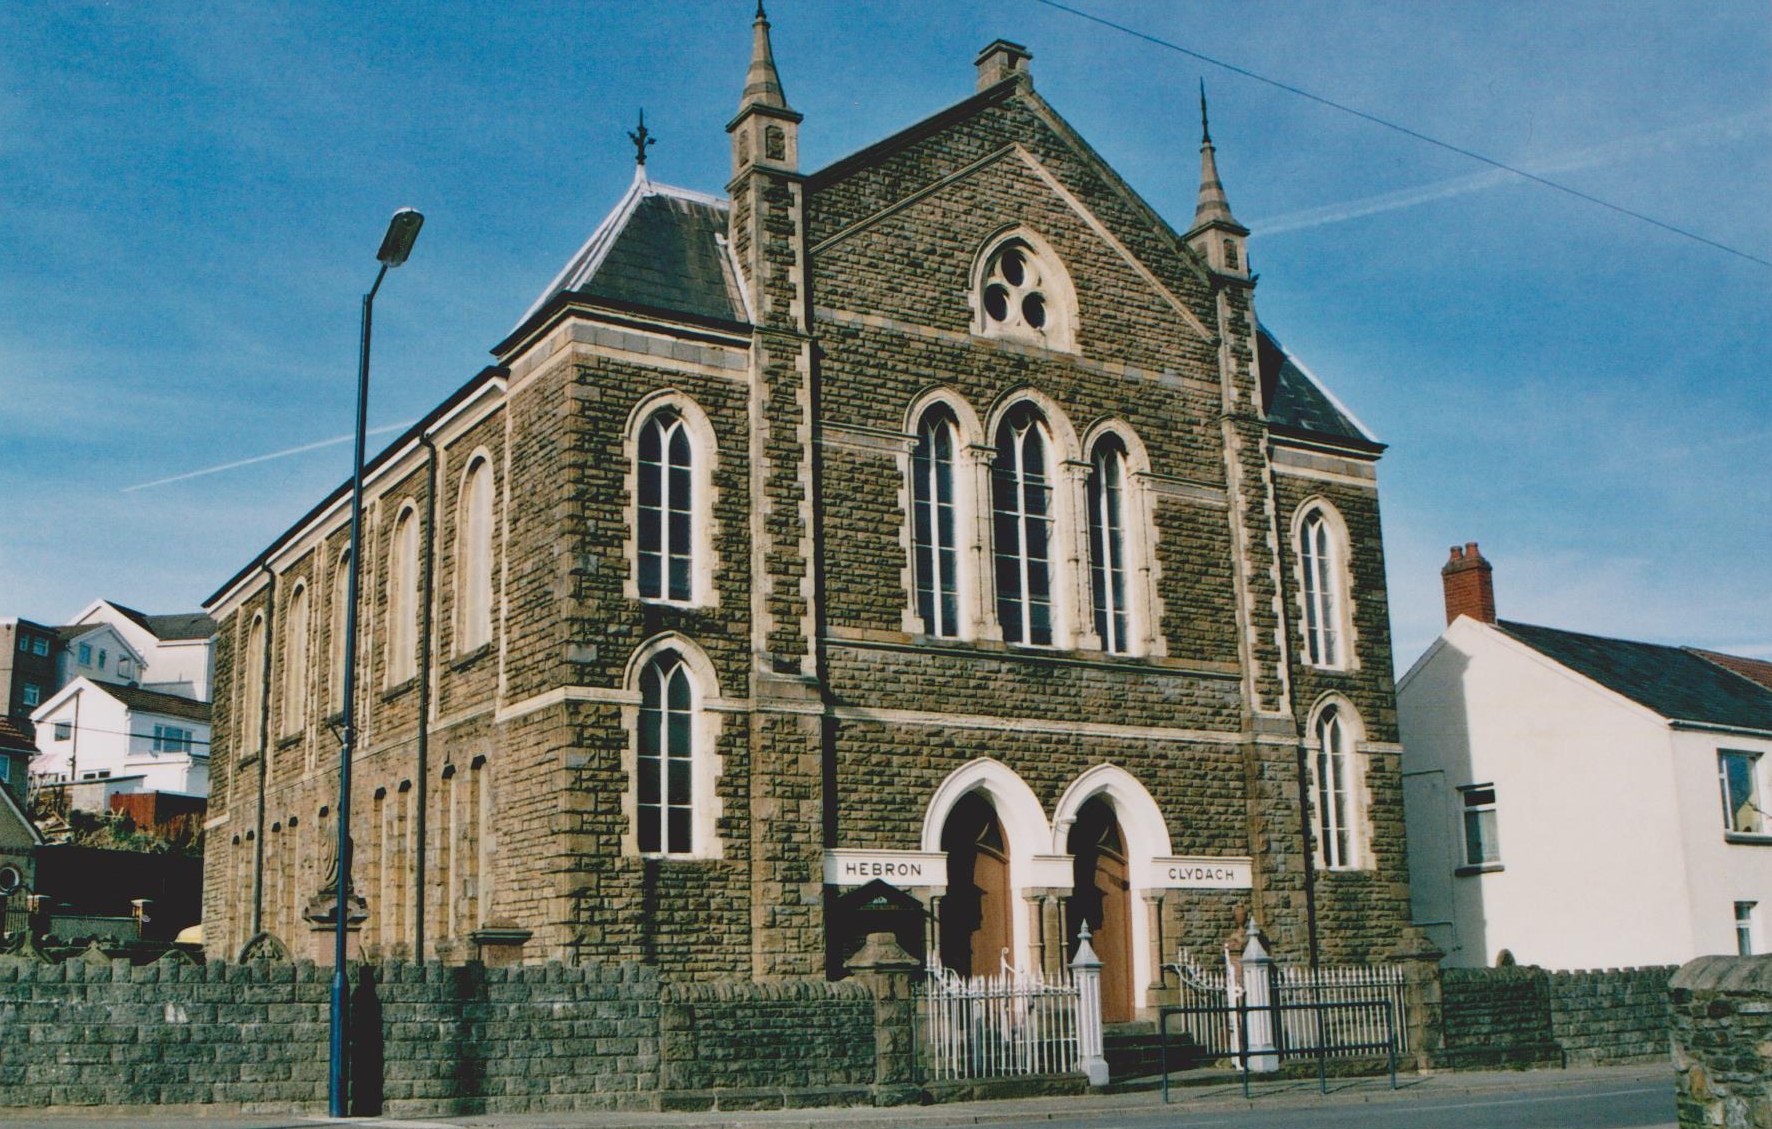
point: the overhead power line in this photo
(1405, 130)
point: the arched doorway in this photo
(975, 922)
(1102, 895)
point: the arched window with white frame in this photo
(1323, 588)
(252, 695)
(295, 660)
(341, 603)
(935, 526)
(1337, 790)
(666, 508)
(664, 785)
(402, 654)
(1111, 585)
(473, 595)
(1022, 525)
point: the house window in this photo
(1744, 928)
(1482, 845)
(295, 661)
(101, 658)
(1107, 545)
(123, 665)
(403, 600)
(474, 562)
(64, 730)
(1021, 502)
(666, 510)
(1335, 797)
(5, 769)
(1738, 776)
(1321, 565)
(665, 765)
(24, 643)
(86, 654)
(39, 645)
(935, 528)
(171, 739)
(30, 694)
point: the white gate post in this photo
(1086, 970)
(1258, 994)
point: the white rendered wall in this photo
(182, 667)
(1593, 872)
(1720, 873)
(107, 737)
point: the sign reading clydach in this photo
(1201, 873)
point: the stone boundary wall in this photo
(1532, 1017)
(1720, 1012)
(453, 1039)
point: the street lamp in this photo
(395, 246)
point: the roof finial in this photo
(641, 138)
(1205, 130)
(1212, 204)
(760, 14)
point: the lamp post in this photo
(395, 246)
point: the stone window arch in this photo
(473, 561)
(1340, 835)
(1324, 608)
(1036, 487)
(402, 581)
(296, 628)
(341, 604)
(671, 453)
(1022, 292)
(673, 767)
(252, 699)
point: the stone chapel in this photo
(937, 535)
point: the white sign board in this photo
(903, 869)
(1198, 872)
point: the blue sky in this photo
(193, 195)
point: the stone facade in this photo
(1720, 1010)
(1146, 786)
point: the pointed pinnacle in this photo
(1205, 130)
(762, 86)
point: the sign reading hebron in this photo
(900, 868)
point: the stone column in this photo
(1086, 970)
(886, 970)
(1423, 1013)
(1258, 995)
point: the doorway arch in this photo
(976, 927)
(1101, 895)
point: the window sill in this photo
(288, 742)
(399, 690)
(467, 660)
(1749, 838)
(1479, 868)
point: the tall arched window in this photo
(403, 599)
(473, 596)
(1110, 587)
(935, 525)
(341, 603)
(295, 661)
(1021, 504)
(665, 766)
(1336, 793)
(666, 508)
(252, 697)
(1319, 550)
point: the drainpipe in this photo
(264, 737)
(427, 596)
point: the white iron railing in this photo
(990, 1026)
(1293, 984)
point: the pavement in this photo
(1345, 1096)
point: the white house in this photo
(1579, 801)
(169, 653)
(132, 739)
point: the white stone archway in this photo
(1026, 831)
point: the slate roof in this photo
(1296, 401)
(1755, 669)
(659, 249)
(153, 701)
(1673, 681)
(182, 625)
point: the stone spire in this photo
(1212, 205)
(762, 86)
(766, 131)
(1216, 234)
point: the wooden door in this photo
(1102, 896)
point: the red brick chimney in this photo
(1470, 585)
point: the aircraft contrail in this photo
(267, 458)
(1611, 152)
